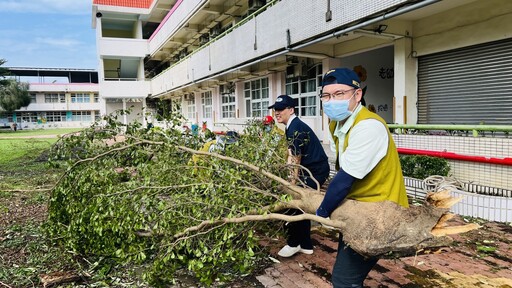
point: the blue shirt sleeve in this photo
(336, 192)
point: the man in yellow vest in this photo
(367, 163)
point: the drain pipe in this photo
(323, 38)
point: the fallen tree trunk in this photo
(143, 198)
(371, 228)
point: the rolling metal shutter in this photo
(471, 85)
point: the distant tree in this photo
(14, 95)
(3, 73)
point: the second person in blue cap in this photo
(304, 149)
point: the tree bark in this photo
(376, 228)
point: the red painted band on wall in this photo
(455, 156)
(125, 3)
(174, 7)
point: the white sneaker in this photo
(288, 251)
(306, 251)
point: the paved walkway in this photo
(460, 265)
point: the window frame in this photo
(54, 98)
(80, 98)
(207, 104)
(305, 89)
(257, 97)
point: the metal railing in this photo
(452, 130)
(227, 31)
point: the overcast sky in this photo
(47, 34)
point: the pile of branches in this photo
(151, 197)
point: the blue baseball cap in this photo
(341, 76)
(283, 102)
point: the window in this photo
(96, 98)
(256, 97)
(54, 98)
(292, 85)
(33, 98)
(228, 105)
(84, 116)
(55, 116)
(80, 98)
(307, 105)
(206, 104)
(97, 115)
(26, 117)
(190, 102)
(305, 88)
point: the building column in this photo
(138, 30)
(125, 117)
(144, 112)
(405, 83)
(140, 70)
(331, 63)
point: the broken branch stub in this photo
(376, 228)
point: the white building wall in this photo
(40, 108)
(266, 33)
(482, 21)
(379, 82)
(121, 47)
(175, 21)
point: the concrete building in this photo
(225, 61)
(60, 98)
(222, 62)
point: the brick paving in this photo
(459, 265)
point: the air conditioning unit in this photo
(290, 71)
(215, 31)
(228, 88)
(189, 97)
(183, 53)
(205, 38)
(256, 4)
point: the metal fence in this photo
(490, 206)
(479, 159)
(477, 154)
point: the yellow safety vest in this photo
(385, 182)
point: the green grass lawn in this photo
(24, 250)
(13, 149)
(37, 132)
